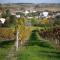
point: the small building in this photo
(26, 12)
(18, 16)
(44, 14)
(2, 20)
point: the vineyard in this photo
(33, 48)
(52, 34)
(37, 48)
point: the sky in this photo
(29, 1)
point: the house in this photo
(18, 16)
(26, 12)
(29, 17)
(2, 20)
(44, 14)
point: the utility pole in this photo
(17, 36)
(17, 33)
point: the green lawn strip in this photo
(35, 53)
(36, 28)
(5, 48)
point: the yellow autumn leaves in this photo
(7, 33)
(23, 30)
(44, 21)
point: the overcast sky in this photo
(29, 1)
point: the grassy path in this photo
(12, 54)
(5, 47)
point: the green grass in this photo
(37, 53)
(5, 48)
(37, 50)
(37, 28)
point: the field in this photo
(35, 48)
(38, 50)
